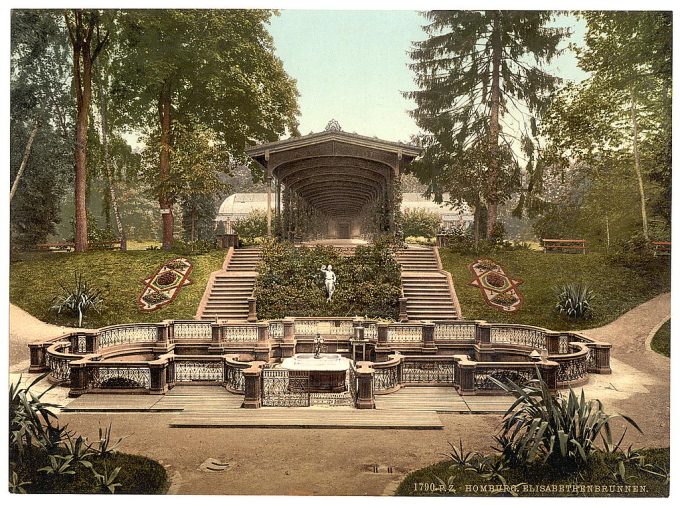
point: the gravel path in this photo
(340, 461)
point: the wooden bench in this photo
(56, 247)
(661, 248)
(564, 246)
(113, 245)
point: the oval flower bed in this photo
(162, 287)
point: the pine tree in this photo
(481, 89)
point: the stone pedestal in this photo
(382, 333)
(365, 397)
(466, 377)
(483, 333)
(159, 375)
(599, 363)
(38, 357)
(428, 334)
(403, 316)
(252, 310)
(78, 378)
(288, 330)
(253, 387)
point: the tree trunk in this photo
(494, 127)
(107, 170)
(477, 218)
(638, 172)
(83, 86)
(193, 225)
(164, 107)
(24, 160)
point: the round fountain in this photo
(327, 371)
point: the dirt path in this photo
(639, 385)
(339, 461)
(24, 329)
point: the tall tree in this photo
(213, 66)
(39, 95)
(88, 38)
(482, 88)
(621, 115)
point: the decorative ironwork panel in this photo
(128, 335)
(198, 370)
(404, 334)
(427, 372)
(563, 345)
(60, 370)
(483, 377)
(120, 377)
(276, 330)
(234, 378)
(280, 389)
(522, 336)
(82, 344)
(306, 327)
(385, 379)
(342, 328)
(331, 399)
(573, 369)
(454, 331)
(239, 333)
(371, 331)
(193, 330)
(352, 381)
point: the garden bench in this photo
(564, 246)
(113, 245)
(661, 248)
(55, 247)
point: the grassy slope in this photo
(420, 482)
(661, 343)
(617, 288)
(33, 283)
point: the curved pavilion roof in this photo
(335, 171)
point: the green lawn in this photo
(617, 288)
(661, 343)
(442, 480)
(34, 282)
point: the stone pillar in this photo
(428, 334)
(548, 370)
(253, 387)
(466, 381)
(158, 377)
(262, 332)
(288, 330)
(403, 316)
(164, 331)
(92, 342)
(382, 333)
(483, 332)
(38, 357)
(365, 397)
(358, 329)
(599, 363)
(216, 333)
(552, 342)
(78, 378)
(252, 309)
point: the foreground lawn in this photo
(34, 282)
(617, 288)
(443, 480)
(661, 343)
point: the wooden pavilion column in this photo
(278, 207)
(269, 194)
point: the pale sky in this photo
(352, 66)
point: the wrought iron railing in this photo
(127, 334)
(454, 331)
(521, 335)
(239, 333)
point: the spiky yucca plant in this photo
(542, 427)
(574, 300)
(77, 299)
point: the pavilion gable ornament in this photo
(498, 289)
(333, 126)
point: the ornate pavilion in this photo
(346, 184)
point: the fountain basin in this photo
(327, 362)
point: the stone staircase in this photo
(426, 286)
(227, 293)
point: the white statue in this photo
(330, 280)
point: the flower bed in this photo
(497, 288)
(163, 287)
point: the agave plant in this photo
(77, 299)
(574, 300)
(541, 426)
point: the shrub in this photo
(77, 299)
(252, 226)
(574, 300)
(541, 427)
(420, 222)
(196, 247)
